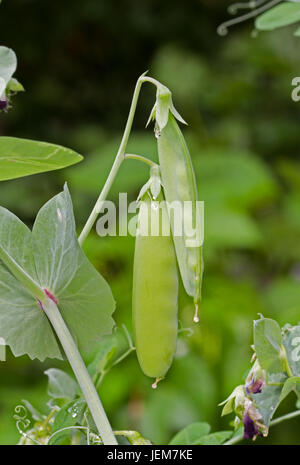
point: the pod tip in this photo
(154, 385)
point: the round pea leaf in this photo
(23, 325)
(191, 434)
(84, 297)
(52, 257)
(268, 345)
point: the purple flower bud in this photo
(3, 103)
(250, 428)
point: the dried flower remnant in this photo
(255, 380)
(241, 402)
(254, 387)
(253, 427)
(251, 430)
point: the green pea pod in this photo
(179, 183)
(155, 291)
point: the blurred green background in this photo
(79, 61)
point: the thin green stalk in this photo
(151, 80)
(67, 428)
(120, 157)
(81, 373)
(145, 160)
(116, 165)
(278, 420)
(122, 357)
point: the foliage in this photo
(68, 420)
(273, 376)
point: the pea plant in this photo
(55, 304)
(269, 14)
(53, 300)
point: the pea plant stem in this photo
(116, 165)
(120, 157)
(278, 420)
(88, 389)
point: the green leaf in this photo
(23, 325)
(291, 384)
(8, 64)
(279, 16)
(268, 345)
(52, 258)
(191, 434)
(23, 157)
(291, 342)
(69, 415)
(61, 385)
(84, 297)
(297, 32)
(105, 350)
(267, 402)
(215, 439)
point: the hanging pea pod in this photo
(155, 289)
(179, 183)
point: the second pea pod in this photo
(179, 184)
